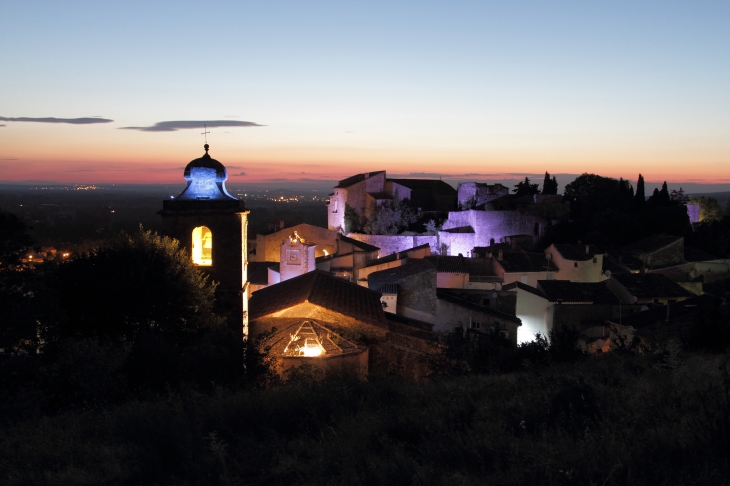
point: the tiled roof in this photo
(258, 272)
(448, 264)
(525, 287)
(398, 274)
(388, 288)
(356, 178)
(482, 251)
(524, 262)
(651, 286)
(576, 292)
(650, 244)
(658, 314)
(577, 253)
(444, 295)
(438, 186)
(614, 265)
(322, 289)
(479, 267)
(358, 244)
(401, 255)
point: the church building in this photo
(211, 225)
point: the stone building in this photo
(472, 194)
(418, 297)
(577, 263)
(337, 327)
(211, 225)
(363, 192)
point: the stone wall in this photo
(496, 224)
(670, 255)
(390, 244)
(267, 246)
(693, 211)
(479, 193)
(450, 316)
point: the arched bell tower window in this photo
(202, 246)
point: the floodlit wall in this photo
(390, 244)
(496, 224)
(576, 271)
(267, 246)
(530, 309)
(450, 316)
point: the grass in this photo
(604, 421)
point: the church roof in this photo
(355, 179)
(206, 180)
(437, 186)
(322, 289)
(207, 162)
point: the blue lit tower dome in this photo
(206, 179)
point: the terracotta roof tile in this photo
(322, 289)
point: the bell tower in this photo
(212, 226)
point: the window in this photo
(202, 246)
(595, 260)
(476, 325)
(537, 229)
(575, 264)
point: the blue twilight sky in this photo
(456, 88)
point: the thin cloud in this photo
(172, 126)
(3, 125)
(9, 159)
(240, 174)
(72, 121)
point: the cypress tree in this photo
(640, 196)
(664, 195)
(546, 184)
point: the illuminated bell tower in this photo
(212, 225)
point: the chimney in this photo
(514, 243)
(500, 255)
(281, 224)
(588, 249)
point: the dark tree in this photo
(525, 188)
(133, 284)
(549, 186)
(640, 196)
(17, 290)
(664, 195)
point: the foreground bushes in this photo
(610, 420)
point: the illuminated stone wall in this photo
(267, 246)
(390, 244)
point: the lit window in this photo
(202, 246)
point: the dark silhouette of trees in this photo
(132, 284)
(526, 188)
(606, 212)
(640, 196)
(549, 186)
(18, 287)
(709, 208)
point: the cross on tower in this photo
(205, 132)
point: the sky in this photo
(105, 92)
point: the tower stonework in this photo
(296, 257)
(212, 226)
